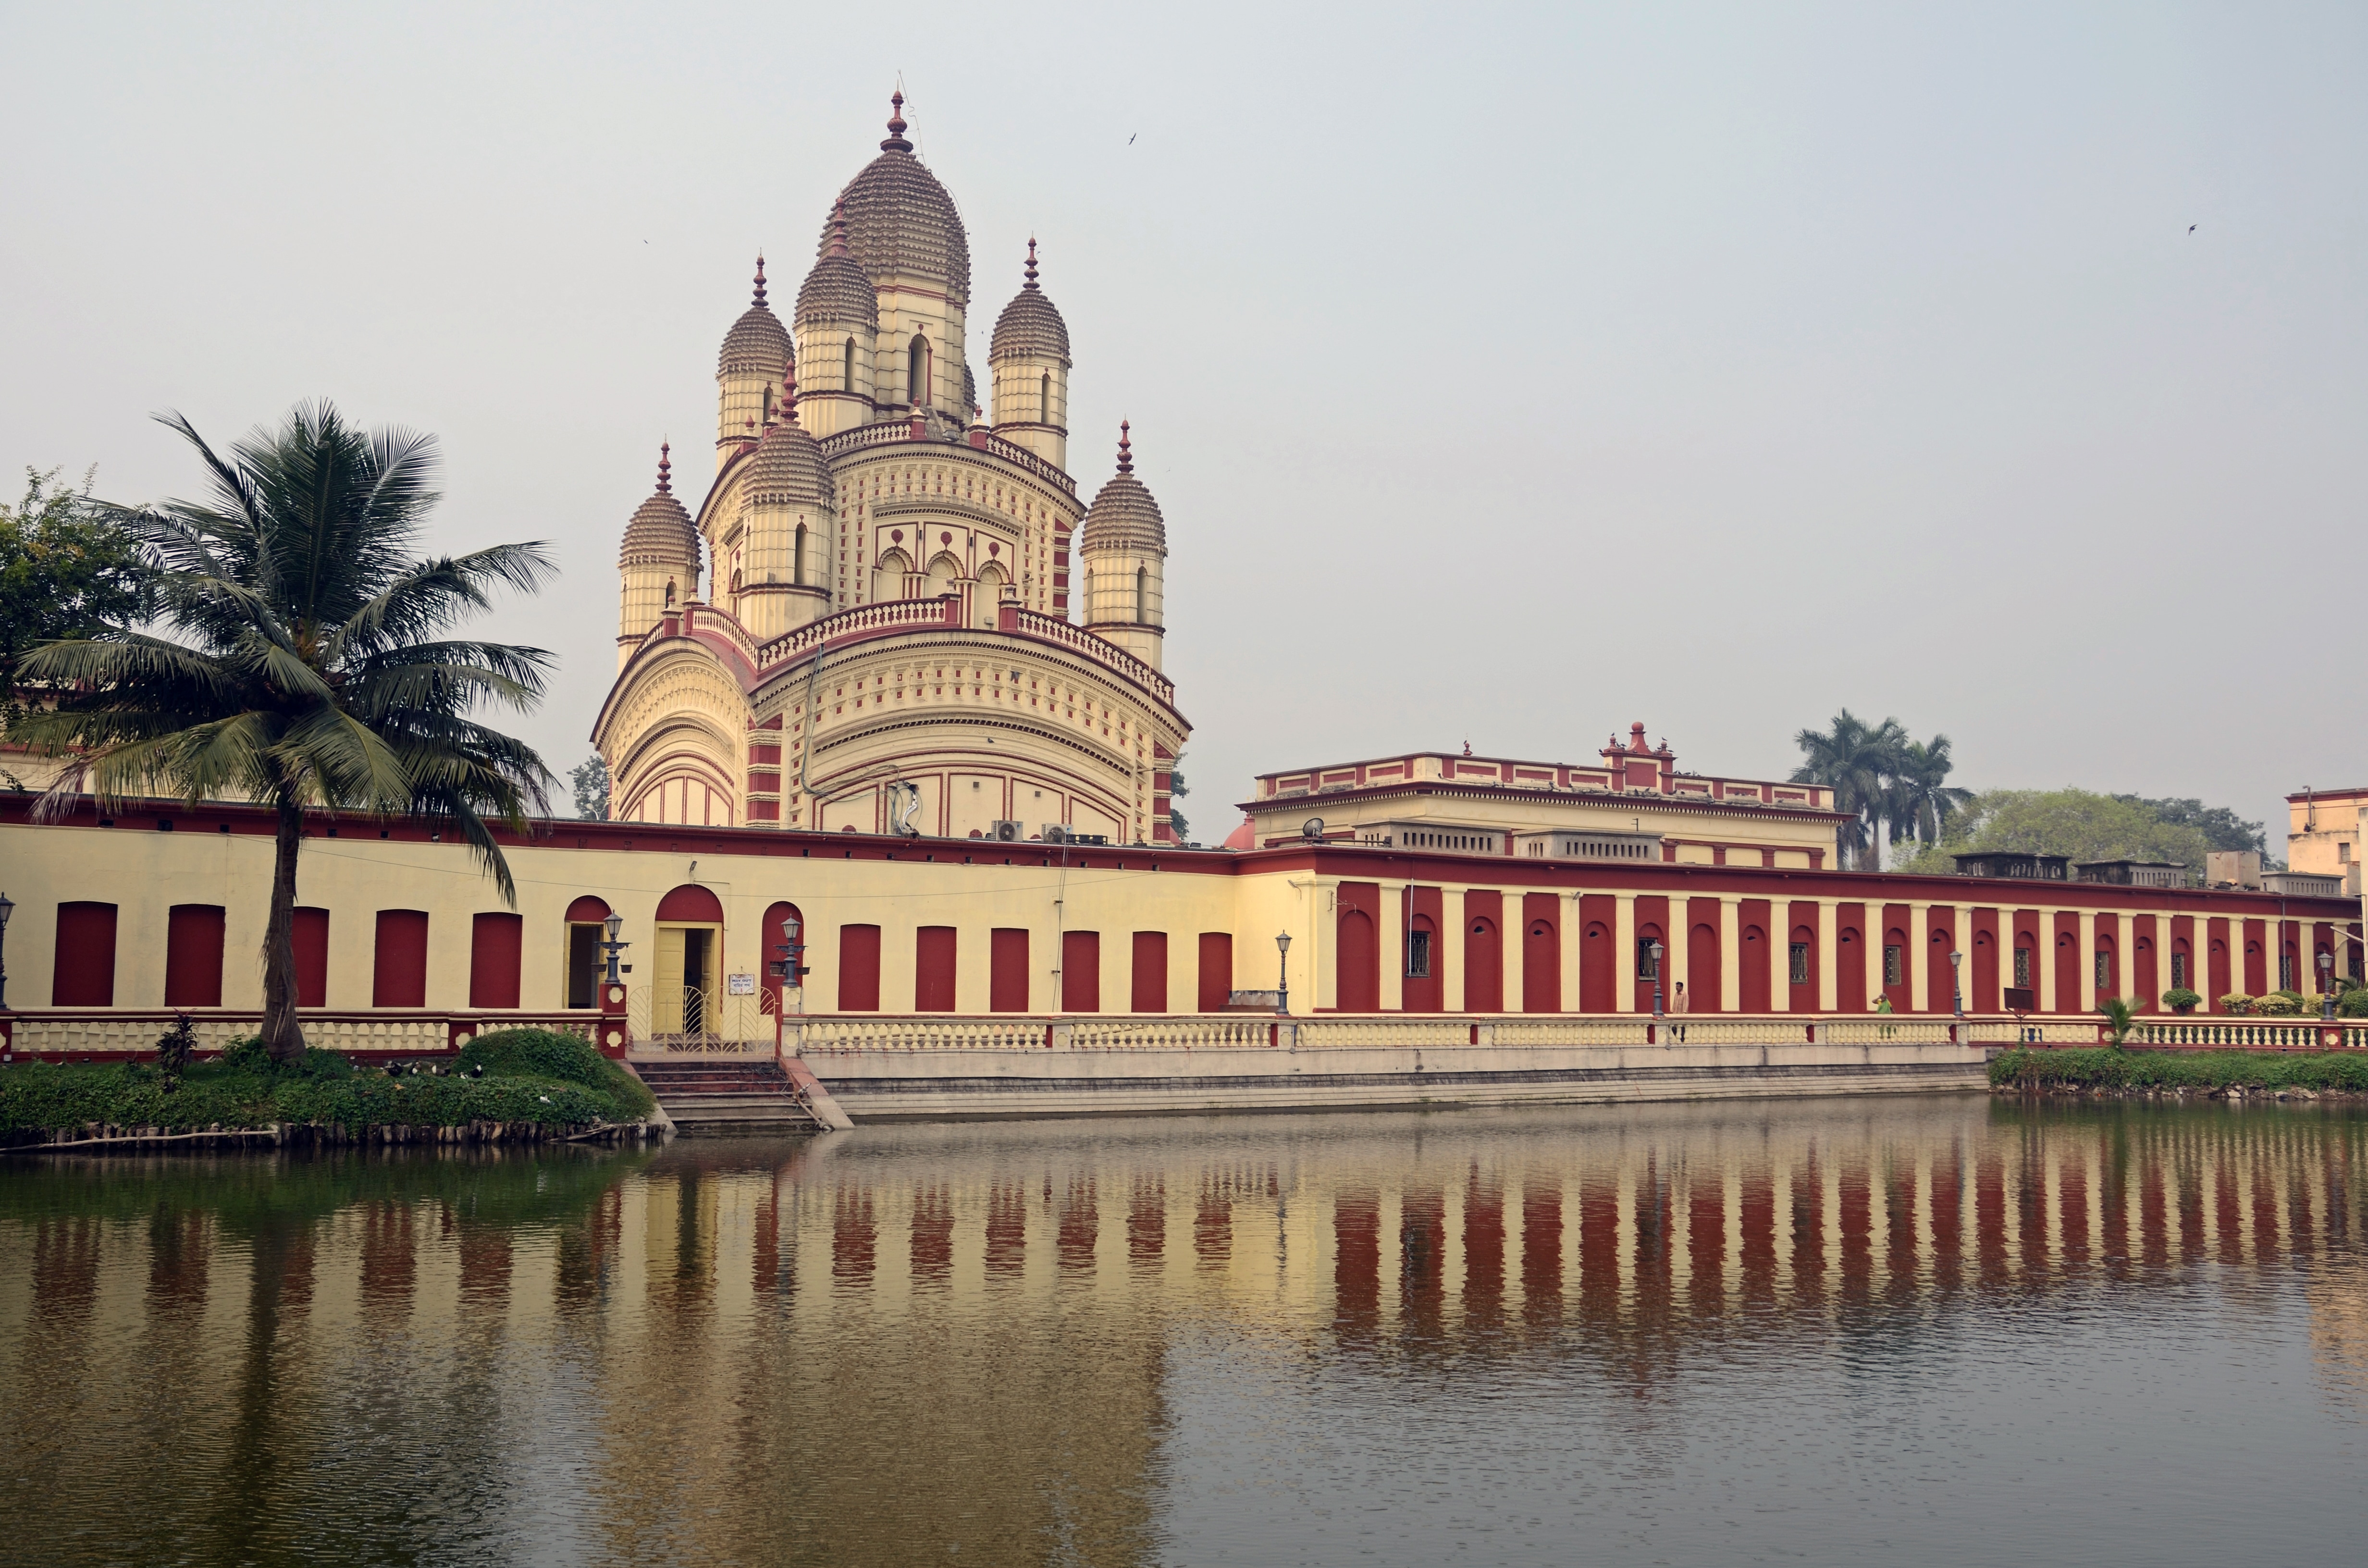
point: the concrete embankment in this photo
(903, 1085)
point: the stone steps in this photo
(716, 1097)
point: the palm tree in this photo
(1922, 801)
(307, 664)
(1855, 760)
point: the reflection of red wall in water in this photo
(1857, 1232)
(1483, 1248)
(1422, 1257)
(1599, 1246)
(1213, 1224)
(1357, 1260)
(484, 1267)
(1006, 1228)
(1948, 1225)
(1080, 1221)
(1706, 1244)
(1808, 1230)
(1541, 1251)
(1759, 1217)
(1147, 1220)
(854, 1237)
(933, 1233)
(389, 1261)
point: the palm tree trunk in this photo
(283, 1038)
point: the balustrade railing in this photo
(49, 1032)
(1052, 629)
(888, 432)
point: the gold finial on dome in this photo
(1125, 457)
(666, 468)
(760, 278)
(896, 143)
(1031, 263)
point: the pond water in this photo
(1933, 1330)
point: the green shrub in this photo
(2105, 1069)
(2179, 997)
(2278, 1005)
(2352, 1004)
(549, 1053)
(2236, 1003)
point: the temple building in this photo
(867, 624)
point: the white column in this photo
(2087, 961)
(1919, 964)
(1828, 958)
(2042, 957)
(1730, 953)
(1391, 935)
(1452, 917)
(1574, 946)
(1623, 952)
(2125, 975)
(1780, 955)
(1679, 945)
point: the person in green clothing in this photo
(1883, 1004)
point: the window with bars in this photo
(2022, 969)
(2286, 970)
(1799, 963)
(2179, 972)
(2105, 971)
(1895, 964)
(1646, 967)
(1417, 964)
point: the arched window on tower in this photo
(1142, 595)
(847, 368)
(768, 418)
(1044, 398)
(916, 372)
(670, 598)
(798, 557)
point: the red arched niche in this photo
(588, 911)
(692, 904)
(769, 937)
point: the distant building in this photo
(2132, 873)
(2014, 863)
(1632, 804)
(2324, 835)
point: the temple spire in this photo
(665, 469)
(1031, 263)
(760, 278)
(838, 227)
(896, 143)
(1125, 457)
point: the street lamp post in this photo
(1957, 981)
(615, 923)
(1282, 978)
(1654, 948)
(2325, 986)
(8, 907)
(790, 968)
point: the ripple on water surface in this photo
(1939, 1330)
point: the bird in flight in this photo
(1130, 140)
(2191, 228)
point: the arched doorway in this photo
(585, 962)
(686, 993)
(769, 942)
(1360, 972)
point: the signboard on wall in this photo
(740, 985)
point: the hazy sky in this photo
(1504, 373)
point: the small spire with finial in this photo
(838, 227)
(760, 278)
(666, 468)
(1125, 457)
(1031, 262)
(789, 392)
(896, 143)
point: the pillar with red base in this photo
(616, 1032)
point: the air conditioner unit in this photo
(1003, 832)
(1055, 832)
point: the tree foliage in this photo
(1894, 788)
(589, 781)
(2080, 824)
(304, 660)
(65, 570)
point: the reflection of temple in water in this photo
(881, 1345)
